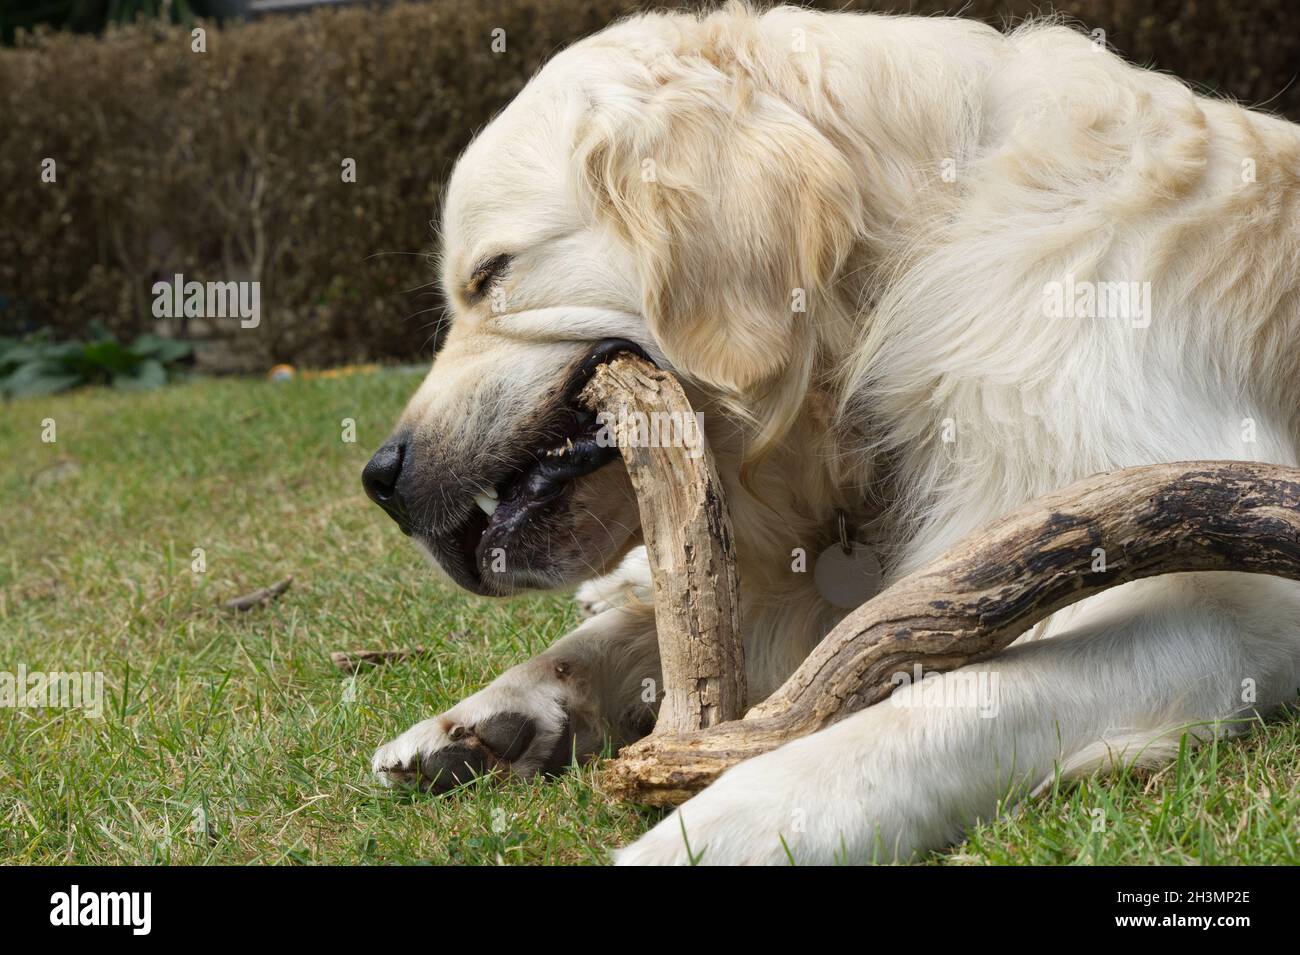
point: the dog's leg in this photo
(1137, 667)
(600, 681)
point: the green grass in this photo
(232, 738)
(1227, 803)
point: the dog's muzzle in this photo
(463, 518)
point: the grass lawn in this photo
(231, 738)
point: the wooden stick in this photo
(993, 586)
(259, 597)
(689, 540)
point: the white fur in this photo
(629, 583)
(826, 169)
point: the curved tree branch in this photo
(993, 586)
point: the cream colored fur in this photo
(914, 186)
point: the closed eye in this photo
(485, 275)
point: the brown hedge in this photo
(226, 165)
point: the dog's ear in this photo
(738, 210)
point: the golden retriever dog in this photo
(913, 272)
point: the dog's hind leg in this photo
(1136, 668)
(600, 682)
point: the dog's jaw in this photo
(547, 508)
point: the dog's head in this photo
(648, 187)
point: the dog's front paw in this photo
(629, 584)
(478, 737)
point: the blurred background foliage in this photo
(226, 165)
(92, 16)
(37, 365)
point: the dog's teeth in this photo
(487, 504)
(491, 492)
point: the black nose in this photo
(379, 478)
